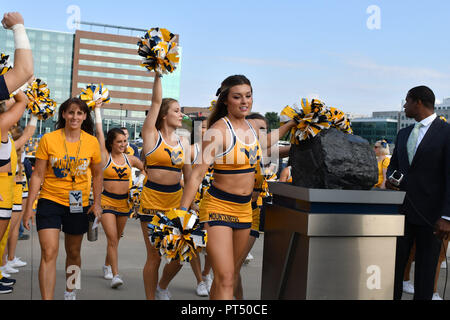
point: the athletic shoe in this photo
(208, 281)
(202, 290)
(408, 287)
(5, 289)
(24, 237)
(17, 263)
(70, 295)
(7, 282)
(8, 269)
(443, 265)
(116, 282)
(162, 294)
(107, 273)
(4, 274)
(436, 296)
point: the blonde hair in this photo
(163, 111)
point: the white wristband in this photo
(98, 115)
(20, 37)
(33, 121)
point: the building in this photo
(441, 109)
(374, 129)
(193, 112)
(70, 61)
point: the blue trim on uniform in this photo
(254, 234)
(232, 225)
(4, 92)
(164, 168)
(163, 188)
(222, 195)
(117, 213)
(249, 170)
(115, 196)
(254, 205)
(145, 217)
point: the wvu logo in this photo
(175, 157)
(120, 172)
(77, 195)
(251, 154)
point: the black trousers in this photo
(428, 247)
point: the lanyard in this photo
(71, 168)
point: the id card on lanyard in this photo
(75, 196)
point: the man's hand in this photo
(390, 186)
(10, 19)
(442, 229)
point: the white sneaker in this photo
(408, 287)
(208, 281)
(17, 263)
(116, 282)
(4, 274)
(443, 265)
(8, 269)
(248, 259)
(436, 296)
(202, 290)
(70, 295)
(162, 294)
(107, 273)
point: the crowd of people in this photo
(80, 173)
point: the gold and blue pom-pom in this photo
(313, 119)
(94, 92)
(212, 105)
(40, 104)
(5, 64)
(339, 120)
(159, 51)
(177, 235)
(443, 118)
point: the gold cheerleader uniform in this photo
(117, 204)
(8, 155)
(157, 197)
(222, 208)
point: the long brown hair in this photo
(163, 111)
(87, 125)
(220, 110)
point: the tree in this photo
(273, 119)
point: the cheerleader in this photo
(231, 145)
(117, 169)
(64, 160)
(20, 138)
(164, 155)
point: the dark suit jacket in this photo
(427, 180)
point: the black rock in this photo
(334, 160)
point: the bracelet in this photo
(98, 115)
(184, 209)
(20, 37)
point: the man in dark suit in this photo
(422, 155)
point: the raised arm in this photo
(23, 58)
(149, 132)
(27, 133)
(99, 128)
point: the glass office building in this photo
(52, 54)
(373, 129)
(68, 62)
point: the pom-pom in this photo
(443, 118)
(40, 103)
(339, 120)
(177, 235)
(94, 92)
(5, 64)
(159, 51)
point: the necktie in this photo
(412, 141)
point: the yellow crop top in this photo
(115, 172)
(239, 157)
(164, 156)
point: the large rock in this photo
(334, 160)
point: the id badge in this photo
(76, 201)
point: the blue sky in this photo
(288, 49)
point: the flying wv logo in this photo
(175, 157)
(77, 195)
(120, 172)
(251, 154)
